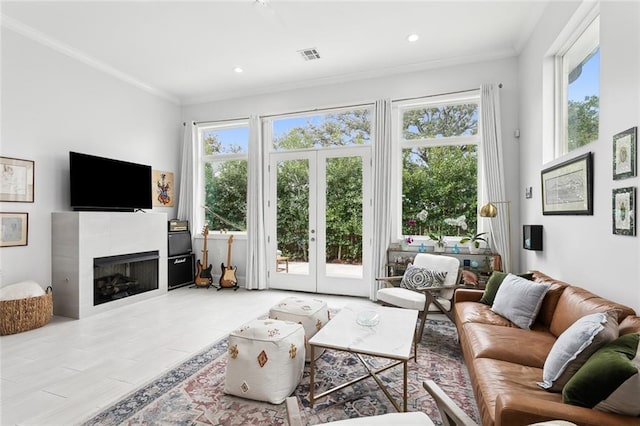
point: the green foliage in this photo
(582, 122)
(473, 238)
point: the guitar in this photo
(228, 277)
(203, 275)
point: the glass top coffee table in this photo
(377, 331)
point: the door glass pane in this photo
(344, 217)
(292, 216)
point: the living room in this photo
(53, 103)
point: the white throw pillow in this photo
(21, 290)
(519, 300)
(574, 347)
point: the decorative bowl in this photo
(368, 318)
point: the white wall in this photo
(582, 250)
(52, 104)
(424, 83)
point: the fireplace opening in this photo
(116, 277)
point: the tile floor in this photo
(68, 370)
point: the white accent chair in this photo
(429, 299)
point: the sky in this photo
(588, 82)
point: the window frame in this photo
(401, 144)
(576, 34)
(204, 159)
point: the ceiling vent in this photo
(310, 54)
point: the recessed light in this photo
(412, 37)
(238, 70)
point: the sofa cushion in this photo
(493, 283)
(416, 277)
(573, 347)
(477, 312)
(519, 300)
(576, 302)
(610, 379)
(497, 342)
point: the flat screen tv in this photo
(107, 184)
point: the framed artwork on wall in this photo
(16, 180)
(567, 188)
(14, 229)
(162, 189)
(624, 154)
(624, 211)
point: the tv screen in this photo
(106, 184)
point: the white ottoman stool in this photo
(266, 360)
(313, 314)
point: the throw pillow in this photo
(416, 278)
(519, 300)
(574, 347)
(610, 379)
(493, 283)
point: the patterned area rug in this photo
(191, 394)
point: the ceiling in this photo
(186, 51)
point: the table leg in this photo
(404, 396)
(311, 382)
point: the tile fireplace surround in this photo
(80, 237)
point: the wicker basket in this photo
(21, 315)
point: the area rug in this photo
(192, 393)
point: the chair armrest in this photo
(293, 411)
(389, 281)
(450, 413)
(514, 409)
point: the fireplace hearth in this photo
(117, 277)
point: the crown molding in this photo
(60, 47)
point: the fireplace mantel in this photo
(77, 238)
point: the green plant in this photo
(473, 238)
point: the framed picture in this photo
(624, 154)
(567, 188)
(16, 180)
(13, 229)
(624, 211)
(162, 189)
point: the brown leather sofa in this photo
(506, 362)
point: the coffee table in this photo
(391, 338)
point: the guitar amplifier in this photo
(180, 270)
(179, 243)
(176, 225)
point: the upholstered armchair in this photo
(428, 285)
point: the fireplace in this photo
(117, 277)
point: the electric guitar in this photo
(203, 275)
(228, 277)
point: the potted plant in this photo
(474, 241)
(439, 241)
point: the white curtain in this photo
(187, 175)
(256, 228)
(494, 170)
(382, 197)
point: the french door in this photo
(319, 233)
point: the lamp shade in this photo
(488, 210)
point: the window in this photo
(578, 71)
(439, 162)
(224, 150)
(337, 128)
